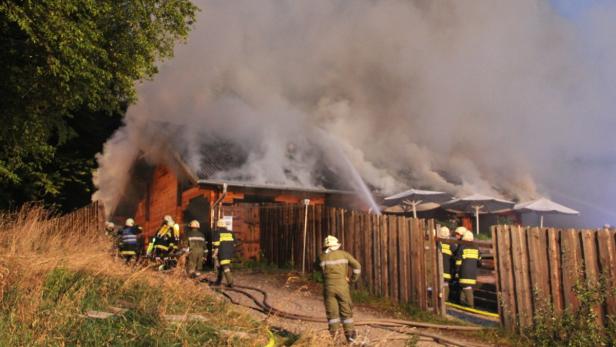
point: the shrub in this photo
(578, 328)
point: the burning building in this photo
(174, 189)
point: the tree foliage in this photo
(69, 69)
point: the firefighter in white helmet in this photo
(129, 245)
(223, 249)
(447, 253)
(467, 260)
(334, 264)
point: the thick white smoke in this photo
(494, 97)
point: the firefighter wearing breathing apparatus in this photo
(165, 242)
(223, 249)
(334, 264)
(196, 249)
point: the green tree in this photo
(68, 71)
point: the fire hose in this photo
(395, 325)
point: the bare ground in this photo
(289, 293)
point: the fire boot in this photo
(351, 336)
(469, 300)
(228, 277)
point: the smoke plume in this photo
(506, 98)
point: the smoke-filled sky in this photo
(508, 98)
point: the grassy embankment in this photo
(51, 274)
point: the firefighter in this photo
(447, 252)
(223, 249)
(165, 243)
(129, 246)
(334, 264)
(196, 249)
(454, 285)
(467, 260)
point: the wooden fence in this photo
(89, 217)
(399, 256)
(538, 266)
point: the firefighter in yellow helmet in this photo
(447, 253)
(223, 249)
(165, 243)
(334, 264)
(196, 249)
(467, 260)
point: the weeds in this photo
(52, 272)
(578, 328)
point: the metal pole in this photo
(306, 203)
(477, 219)
(541, 221)
(415, 209)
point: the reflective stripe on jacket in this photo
(224, 240)
(467, 261)
(447, 257)
(335, 267)
(196, 239)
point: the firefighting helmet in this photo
(443, 232)
(221, 223)
(461, 230)
(168, 220)
(130, 222)
(195, 224)
(468, 236)
(330, 241)
(109, 225)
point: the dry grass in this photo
(51, 269)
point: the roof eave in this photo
(216, 182)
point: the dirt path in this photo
(290, 294)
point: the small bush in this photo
(574, 329)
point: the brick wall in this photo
(163, 201)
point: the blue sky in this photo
(574, 9)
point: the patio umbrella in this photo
(476, 204)
(544, 206)
(414, 197)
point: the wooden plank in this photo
(373, 255)
(591, 266)
(555, 270)
(392, 249)
(378, 269)
(385, 255)
(442, 299)
(417, 260)
(404, 270)
(496, 230)
(538, 263)
(571, 255)
(607, 257)
(506, 271)
(422, 287)
(521, 276)
(437, 278)
(413, 261)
